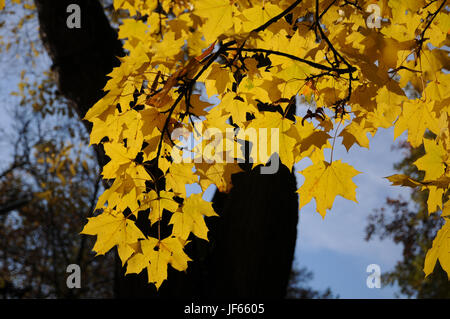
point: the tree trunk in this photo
(81, 57)
(250, 249)
(255, 236)
(252, 242)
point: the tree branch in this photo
(277, 17)
(7, 208)
(293, 57)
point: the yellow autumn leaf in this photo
(191, 218)
(416, 117)
(403, 180)
(105, 105)
(113, 228)
(258, 15)
(179, 176)
(157, 203)
(432, 163)
(218, 15)
(119, 156)
(218, 174)
(439, 251)
(131, 28)
(324, 181)
(355, 132)
(434, 201)
(234, 105)
(275, 134)
(446, 209)
(218, 80)
(156, 256)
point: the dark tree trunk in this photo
(255, 236)
(251, 246)
(252, 242)
(81, 57)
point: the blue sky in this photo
(334, 247)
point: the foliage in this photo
(47, 190)
(351, 63)
(408, 222)
(298, 288)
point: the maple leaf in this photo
(258, 15)
(434, 201)
(179, 175)
(197, 107)
(217, 80)
(389, 102)
(131, 28)
(111, 229)
(120, 156)
(191, 219)
(157, 203)
(439, 251)
(416, 117)
(215, 119)
(101, 129)
(403, 180)
(152, 119)
(308, 138)
(156, 256)
(218, 174)
(218, 15)
(105, 105)
(168, 47)
(281, 140)
(355, 132)
(324, 181)
(433, 161)
(236, 106)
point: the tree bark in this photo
(251, 244)
(255, 236)
(81, 57)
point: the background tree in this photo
(49, 178)
(409, 223)
(298, 288)
(48, 188)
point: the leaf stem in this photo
(334, 141)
